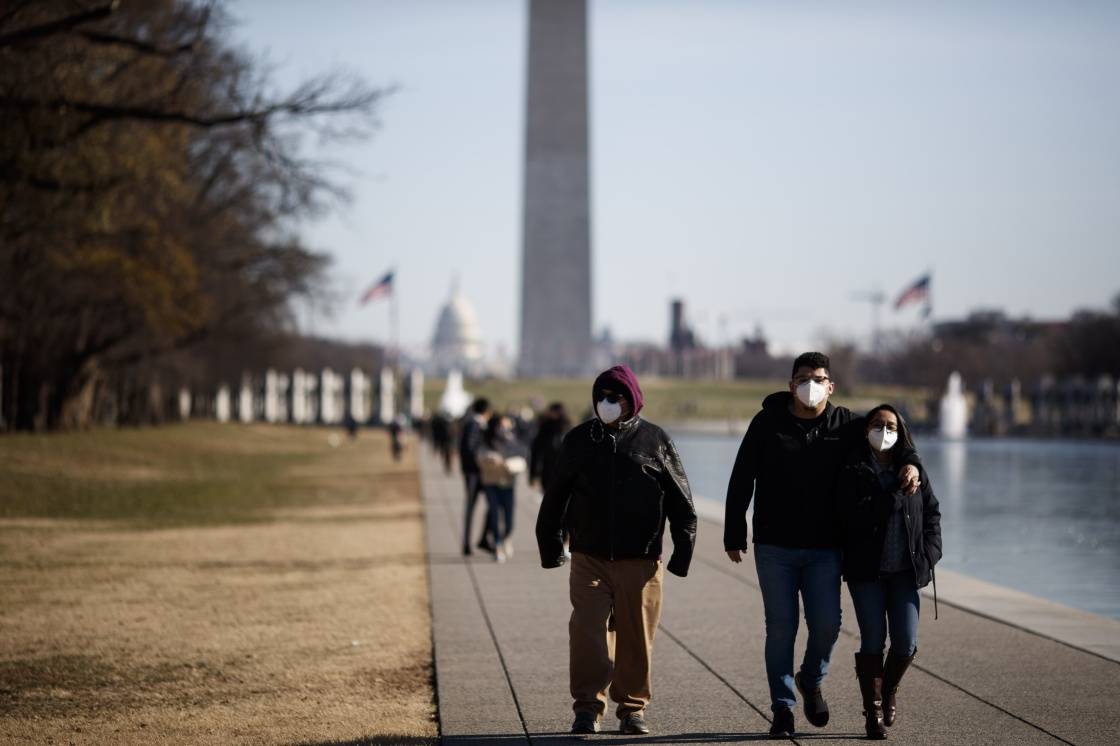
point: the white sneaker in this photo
(507, 547)
(500, 554)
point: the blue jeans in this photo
(782, 574)
(891, 602)
(500, 502)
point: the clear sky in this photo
(765, 161)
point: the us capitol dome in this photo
(457, 342)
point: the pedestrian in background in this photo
(470, 440)
(500, 459)
(553, 426)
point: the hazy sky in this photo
(762, 160)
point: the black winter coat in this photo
(791, 476)
(865, 510)
(613, 491)
(469, 443)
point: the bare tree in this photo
(150, 190)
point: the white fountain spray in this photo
(455, 399)
(954, 410)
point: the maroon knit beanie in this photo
(620, 378)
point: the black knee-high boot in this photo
(892, 674)
(869, 671)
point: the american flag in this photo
(916, 292)
(382, 287)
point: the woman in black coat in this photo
(891, 543)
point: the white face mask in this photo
(882, 439)
(608, 412)
(811, 393)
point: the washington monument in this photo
(556, 239)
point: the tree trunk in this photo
(75, 406)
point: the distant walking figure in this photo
(554, 425)
(618, 479)
(441, 438)
(500, 460)
(470, 440)
(396, 436)
(891, 543)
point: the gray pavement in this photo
(501, 654)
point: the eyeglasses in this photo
(611, 398)
(816, 379)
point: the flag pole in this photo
(395, 323)
(395, 326)
(928, 312)
(391, 348)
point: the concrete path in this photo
(500, 633)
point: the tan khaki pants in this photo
(615, 660)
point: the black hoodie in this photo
(792, 474)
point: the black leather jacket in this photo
(865, 508)
(612, 493)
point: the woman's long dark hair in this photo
(904, 442)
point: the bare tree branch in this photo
(98, 37)
(106, 112)
(62, 24)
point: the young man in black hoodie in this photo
(618, 478)
(788, 462)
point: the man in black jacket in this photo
(617, 479)
(789, 461)
(470, 441)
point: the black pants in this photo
(473, 483)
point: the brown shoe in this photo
(869, 671)
(892, 674)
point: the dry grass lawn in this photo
(212, 584)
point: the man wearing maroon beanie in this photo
(618, 478)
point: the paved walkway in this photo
(500, 633)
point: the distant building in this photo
(681, 336)
(457, 341)
(994, 327)
(753, 358)
(686, 356)
(604, 350)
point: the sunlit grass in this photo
(197, 473)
